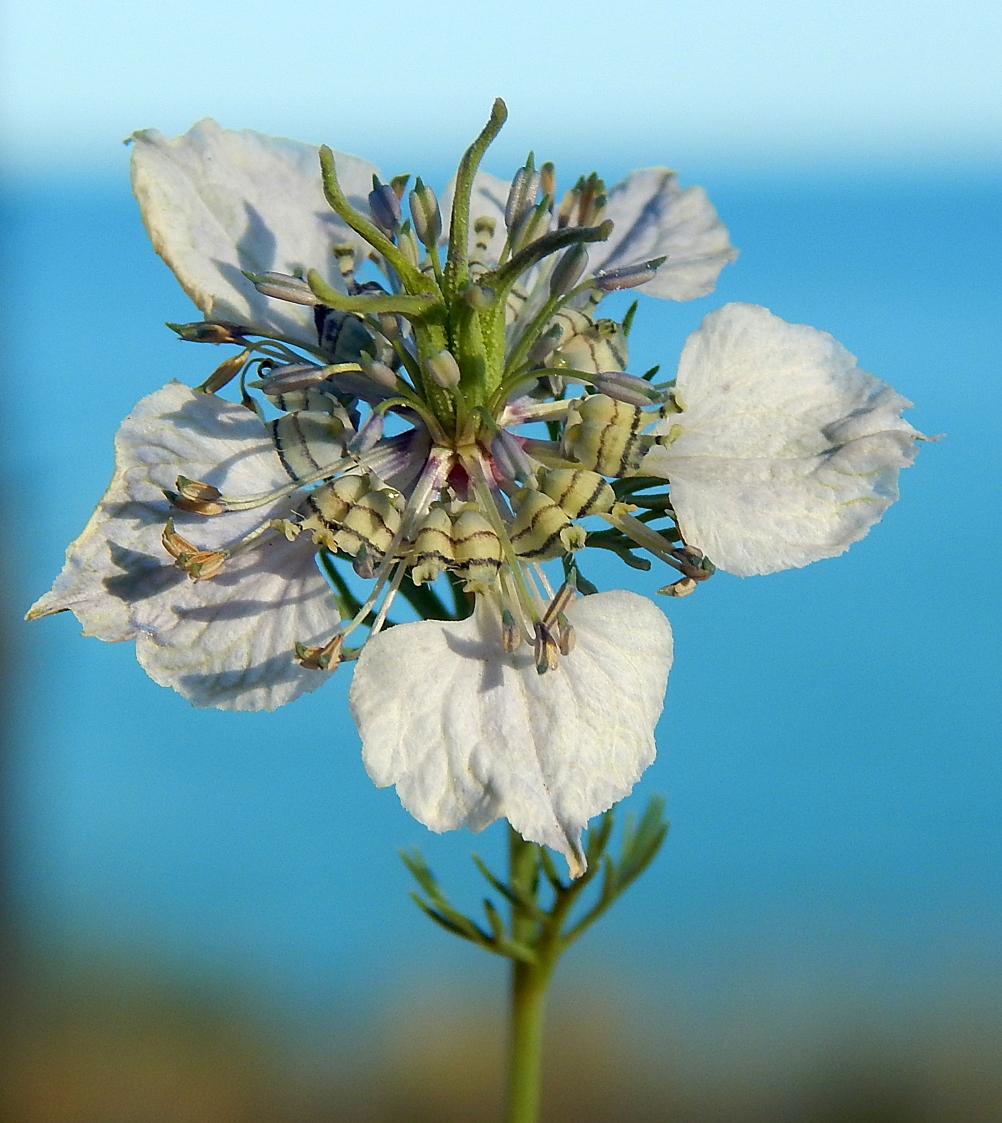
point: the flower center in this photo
(498, 410)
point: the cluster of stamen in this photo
(444, 364)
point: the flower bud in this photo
(379, 372)
(629, 277)
(385, 206)
(425, 213)
(627, 388)
(522, 194)
(510, 458)
(443, 370)
(283, 287)
(568, 270)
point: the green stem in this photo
(529, 981)
(528, 993)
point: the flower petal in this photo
(788, 451)
(216, 202)
(469, 734)
(653, 217)
(227, 641)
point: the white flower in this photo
(784, 451)
(225, 642)
(468, 417)
(219, 203)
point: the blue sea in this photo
(829, 748)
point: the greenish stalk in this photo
(525, 1044)
(529, 982)
(457, 266)
(400, 303)
(412, 279)
(502, 278)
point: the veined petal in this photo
(469, 734)
(218, 202)
(227, 641)
(487, 200)
(788, 452)
(653, 217)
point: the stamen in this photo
(642, 534)
(510, 636)
(195, 497)
(680, 588)
(198, 564)
(391, 593)
(249, 502)
(475, 469)
(320, 658)
(546, 649)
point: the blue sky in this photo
(732, 81)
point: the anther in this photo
(197, 497)
(198, 564)
(629, 277)
(227, 370)
(562, 600)
(546, 650)
(510, 459)
(566, 637)
(522, 194)
(201, 332)
(548, 180)
(320, 658)
(379, 372)
(289, 378)
(628, 388)
(283, 287)
(680, 588)
(545, 345)
(425, 214)
(511, 636)
(407, 243)
(385, 206)
(568, 270)
(370, 433)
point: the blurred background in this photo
(205, 916)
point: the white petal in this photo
(788, 452)
(487, 200)
(217, 202)
(228, 641)
(653, 218)
(469, 734)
